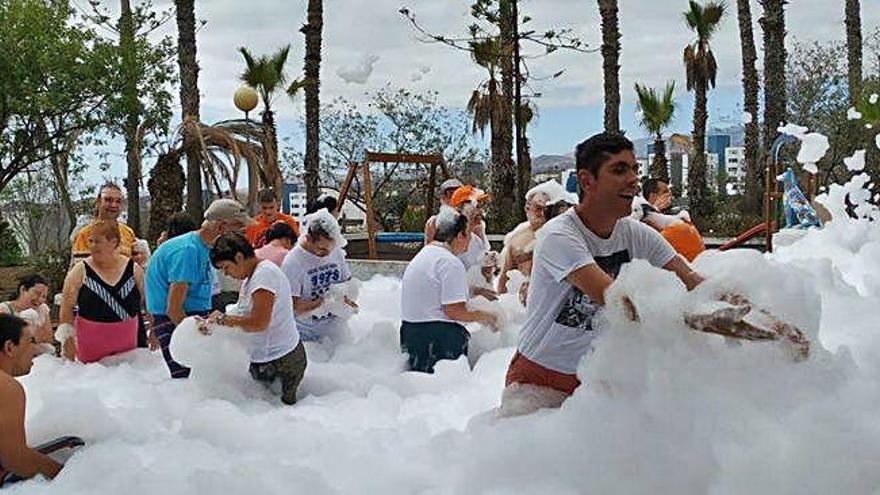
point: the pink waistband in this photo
(96, 340)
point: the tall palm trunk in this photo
(610, 63)
(166, 185)
(270, 150)
(131, 104)
(189, 100)
(313, 31)
(659, 168)
(854, 50)
(754, 187)
(697, 188)
(503, 172)
(773, 25)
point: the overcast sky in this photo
(368, 44)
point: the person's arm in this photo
(15, 455)
(70, 293)
(176, 298)
(507, 254)
(684, 272)
(302, 305)
(592, 281)
(259, 317)
(459, 312)
(44, 332)
(430, 230)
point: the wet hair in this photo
(108, 229)
(280, 230)
(227, 246)
(11, 329)
(178, 224)
(316, 231)
(29, 281)
(267, 195)
(592, 153)
(448, 230)
(322, 201)
(652, 186)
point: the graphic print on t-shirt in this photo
(578, 310)
(321, 278)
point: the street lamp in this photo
(245, 99)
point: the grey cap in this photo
(228, 210)
(450, 184)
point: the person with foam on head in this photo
(16, 359)
(577, 256)
(447, 189)
(434, 294)
(313, 268)
(180, 276)
(265, 309)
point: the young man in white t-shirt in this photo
(577, 256)
(312, 268)
(265, 308)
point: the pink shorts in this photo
(96, 340)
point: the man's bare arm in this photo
(176, 298)
(685, 273)
(15, 455)
(592, 281)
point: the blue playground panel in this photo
(388, 237)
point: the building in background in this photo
(735, 166)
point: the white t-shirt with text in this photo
(559, 329)
(434, 278)
(310, 276)
(281, 336)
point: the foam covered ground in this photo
(663, 409)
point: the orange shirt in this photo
(256, 232)
(80, 245)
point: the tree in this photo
(854, 50)
(266, 74)
(773, 25)
(657, 112)
(139, 106)
(166, 192)
(486, 104)
(189, 98)
(10, 251)
(47, 100)
(610, 63)
(701, 70)
(754, 187)
(312, 85)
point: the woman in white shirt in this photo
(264, 307)
(433, 296)
(29, 302)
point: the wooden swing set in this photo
(432, 161)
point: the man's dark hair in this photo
(267, 195)
(280, 230)
(322, 201)
(178, 224)
(227, 246)
(11, 328)
(652, 186)
(447, 232)
(593, 152)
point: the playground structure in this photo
(432, 161)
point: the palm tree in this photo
(266, 75)
(132, 110)
(312, 85)
(657, 112)
(773, 25)
(189, 98)
(854, 50)
(701, 69)
(489, 107)
(754, 184)
(610, 63)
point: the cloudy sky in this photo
(368, 44)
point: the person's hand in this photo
(487, 293)
(524, 292)
(493, 323)
(630, 309)
(153, 341)
(663, 201)
(68, 348)
(216, 318)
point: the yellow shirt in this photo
(80, 247)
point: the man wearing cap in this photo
(447, 189)
(180, 274)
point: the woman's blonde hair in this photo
(109, 229)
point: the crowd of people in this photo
(296, 285)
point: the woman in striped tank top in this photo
(107, 289)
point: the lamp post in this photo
(246, 99)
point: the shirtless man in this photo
(16, 358)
